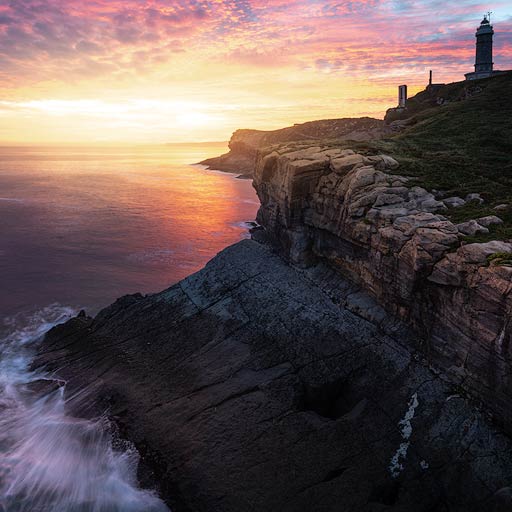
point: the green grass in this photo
(463, 147)
(474, 210)
(500, 258)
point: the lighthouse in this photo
(483, 60)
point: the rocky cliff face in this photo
(250, 387)
(375, 227)
(346, 381)
(244, 144)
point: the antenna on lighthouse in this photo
(489, 16)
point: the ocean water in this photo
(80, 227)
(83, 226)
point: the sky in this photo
(153, 71)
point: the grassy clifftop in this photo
(456, 139)
(462, 146)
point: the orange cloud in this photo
(262, 63)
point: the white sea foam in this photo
(49, 460)
(245, 224)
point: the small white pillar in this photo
(402, 96)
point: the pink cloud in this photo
(63, 40)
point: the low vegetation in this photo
(500, 258)
(462, 147)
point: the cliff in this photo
(355, 355)
(244, 144)
(250, 387)
(389, 235)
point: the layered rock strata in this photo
(377, 228)
(346, 381)
(247, 387)
(245, 144)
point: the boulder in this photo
(387, 199)
(454, 202)
(409, 223)
(489, 221)
(382, 162)
(474, 197)
(477, 253)
(346, 163)
(471, 228)
(430, 204)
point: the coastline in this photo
(234, 363)
(360, 338)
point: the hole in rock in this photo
(333, 399)
(386, 494)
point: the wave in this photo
(11, 199)
(49, 460)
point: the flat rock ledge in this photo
(249, 386)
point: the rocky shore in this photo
(378, 229)
(251, 386)
(353, 356)
(332, 363)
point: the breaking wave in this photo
(49, 460)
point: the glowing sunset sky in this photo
(157, 71)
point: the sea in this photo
(80, 227)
